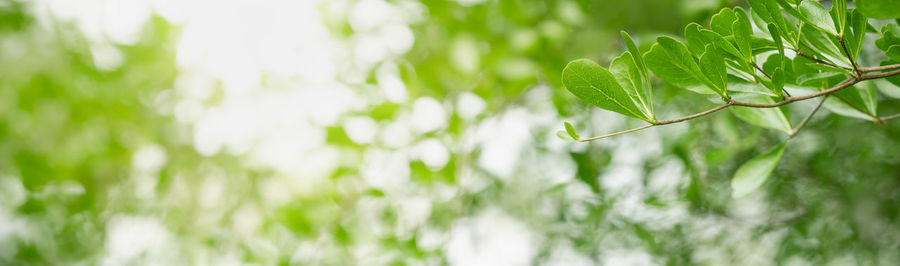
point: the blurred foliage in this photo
(70, 133)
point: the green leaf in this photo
(754, 172)
(742, 31)
(888, 88)
(636, 54)
(778, 80)
(827, 68)
(645, 75)
(770, 12)
(780, 63)
(791, 9)
(721, 43)
(868, 93)
(775, 61)
(661, 64)
(839, 15)
(722, 22)
(776, 37)
(857, 29)
(817, 79)
(740, 88)
(594, 84)
(893, 52)
(696, 42)
(880, 9)
(800, 66)
(563, 136)
(821, 43)
(861, 96)
(890, 35)
(671, 61)
(841, 107)
(628, 75)
(571, 131)
(772, 118)
(815, 14)
(893, 79)
(835, 104)
(713, 66)
(762, 45)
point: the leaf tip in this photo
(571, 131)
(753, 173)
(563, 136)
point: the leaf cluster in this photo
(752, 61)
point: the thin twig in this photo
(820, 61)
(881, 120)
(807, 118)
(842, 85)
(676, 120)
(881, 75)
(616, 134)
(768, 76)
(850, 57)
(761, 70)
(879, 68)
(660, 122)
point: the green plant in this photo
(798, 47)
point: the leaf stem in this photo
(820, 61)
(807, 118)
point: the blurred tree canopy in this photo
(96, 167)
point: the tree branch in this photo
(807, 118)
(761, 70)
(881, 120)
(881, 75)
(840, 86)
(770, 78)
(879, 68)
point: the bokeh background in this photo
(373, 132)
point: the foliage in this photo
(824, 48)
(881, 9)
(444, 152)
